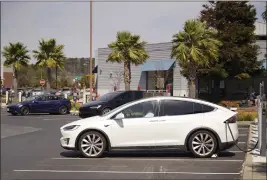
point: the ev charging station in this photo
(262, 116)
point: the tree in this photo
(235, 23)
(194, 47)
(116, 79)
(85, 80)
(264, 14)
(16, 56)
(127, 49)
(49, 55)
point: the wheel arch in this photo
(199, 129)
(92, 129)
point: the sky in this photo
(68, 22)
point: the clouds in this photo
(68, 22)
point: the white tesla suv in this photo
(155, 123)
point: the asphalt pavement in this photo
(30, 149)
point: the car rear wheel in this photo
(106, 110)
(92, 144)
(63, 110)
(24, 110)
(202, 144)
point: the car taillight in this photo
(232, 119)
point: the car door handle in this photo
(153, 121)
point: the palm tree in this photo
(264, 14)
(193, 48)
(49, 55)
(16, 56)
(127, 49)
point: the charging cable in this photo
(245, 151)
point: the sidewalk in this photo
(254, 165)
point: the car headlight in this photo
(96, 107)
(71, 128)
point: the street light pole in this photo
(91, 29)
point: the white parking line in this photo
(243, 135)
(241, 142)
(156, 159)
(122, 172)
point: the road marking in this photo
(59, 119)
(242, 134)
(121, 172)
(243, 128)
(241, 142)
(155, 159)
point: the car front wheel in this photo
(202, 144)
(92, 144)
(24, 110)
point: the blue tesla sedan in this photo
(41, 104)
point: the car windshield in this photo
(31, 98)
(108, 96)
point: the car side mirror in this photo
(119, 116)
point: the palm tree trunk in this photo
(15, 82)
(49, 78)
(56, 77)
(192, 89)
(127, 75)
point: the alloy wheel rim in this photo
(63, 109)
(106, 111)
(203, 144)
(25, 111)
(92, 145)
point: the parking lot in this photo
(31, 150)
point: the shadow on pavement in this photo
(124, 154)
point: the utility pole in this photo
(91, 44)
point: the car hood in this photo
(87, 121)
(93, 103)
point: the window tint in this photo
(175, 107)
(41, 98)
(207, 108)
(53, 98)
(201, 108)
(144, 109)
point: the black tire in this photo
(105, 110)
(24, 111)
(63, 110)
(90, 133)
(211, 141)
(14, 114)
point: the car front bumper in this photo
(68, 139)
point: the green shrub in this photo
(75, 106)
(247, 116)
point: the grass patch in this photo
(247, 115)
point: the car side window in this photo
(141, 110)
(53, 98)
(201, 108)
(176, 107)
(41, 98)
(207, 108)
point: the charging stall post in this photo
(262, 113)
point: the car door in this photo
(176, 120)
(40, 105)
(53, 103)
(122, 98)
(137, 128)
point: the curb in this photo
(74, 113)
(246, 172)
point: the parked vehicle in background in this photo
(67, 91)
(37, 92)
(41, 104)
(108, 101)
(175, 123)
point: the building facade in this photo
(109, 75)
(6, 76)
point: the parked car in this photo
(108, 102)
(41, 104)
(176, 123)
